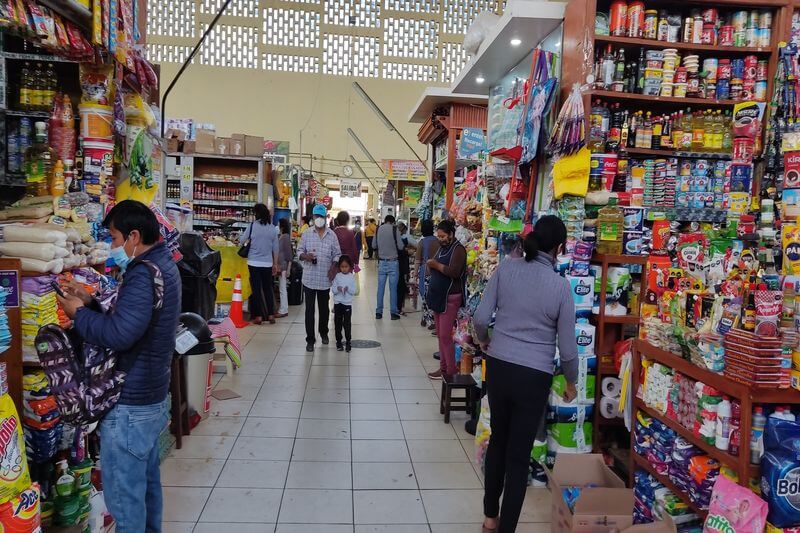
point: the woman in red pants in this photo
(445, 293)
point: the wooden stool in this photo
(180, 402)
(463, 382)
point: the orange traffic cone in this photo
(235, 313)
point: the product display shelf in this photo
(747, 397)
(649, 152)
(633, 42)
(34, 57)
(645, 100)
(609, 330)
(13, 356)
(71, 10)
(640, 462)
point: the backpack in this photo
(84, 377)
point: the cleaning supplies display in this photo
(780, 472)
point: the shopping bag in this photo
(483, 432)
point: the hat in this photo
(319, 211)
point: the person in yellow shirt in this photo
(369, 235)
(304, 227)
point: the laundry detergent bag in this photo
(780, 472)
(14, 474)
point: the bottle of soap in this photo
(65, 480)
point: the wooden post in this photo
(13, 356)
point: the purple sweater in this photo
(532, 304)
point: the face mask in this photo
(319, 222)
(120, 257)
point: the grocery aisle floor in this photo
(332, 443)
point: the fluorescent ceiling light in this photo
(516, 42)
(480, 79)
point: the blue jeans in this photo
(130, 465)
(391, 270)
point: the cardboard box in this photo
(189, 147)
(253, 146)
(667, 526)
(237, 147)
(603, 505)
(223, 146)
(205, 142)
(174, 140)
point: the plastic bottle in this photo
(38, 90)
(65, 480)
(749, 311)
(50, 83)
(610, 221)
(719, 127)
(25, 87)
(58, 188)
(598, 124)
(698, 130)
(708, 131)
(757, 435)
(686, 139)
(39, 160)
(789, 302)
(727, 136)
(723, 429)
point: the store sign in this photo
(404, 169)
(9, 281)
(411, 196)
(473, 142)
(350, 188)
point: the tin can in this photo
(723, 89)
(764, 37)
(709, 34)
(765, 19)
(739, 21)
(692, 84)
(743, 149)
(751, 36)
(688, 29)
(711, 89)
(750, 68)
(737, 68)
(650, 24)
(739, 38)
(724, 69)
(710, 67)
(736, 90)
(760, 91)
(748, 89)
(697, 30)
(680, 75)
(710, 15)
(635, 18)
(725, 37)
(617, 17)
(752, 18)
(761, 70)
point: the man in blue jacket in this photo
(144, 339)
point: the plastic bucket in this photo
(98, 157)
(96, 121)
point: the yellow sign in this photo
(404, 169)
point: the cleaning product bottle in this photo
(65, 481)
(757, 435)
(723, 429)
(610, 221)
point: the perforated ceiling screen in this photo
(416, 40)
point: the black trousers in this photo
(322, 299)
(342, 315)
(262, 302)
(369, 247)
(517, 397)
(402, 291)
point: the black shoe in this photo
(436, 355)
(339, 347)
(348, 348)
(325, 339)
(378, 316)
(395, 317)
(309, 347)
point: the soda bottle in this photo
(39, 160)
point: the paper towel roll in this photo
(608, 407)
(611, 387)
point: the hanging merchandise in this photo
(570, 127)
(543, 89)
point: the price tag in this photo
(185, 341)
(503, 219)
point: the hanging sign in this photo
(411, 196)
(350, 188)
(473, 142)
(404, 169)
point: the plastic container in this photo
(757, 435)
(96, 121)
(610, 222)
(98, 157)
(723, 430)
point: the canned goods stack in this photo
(741, 28)
(703, 184)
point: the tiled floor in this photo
(332, 443)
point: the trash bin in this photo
(198, 364)
(295, 289)
(199, 270)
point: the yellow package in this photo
(791, 249)
(571, 174)
(796, 379)
(14, 475)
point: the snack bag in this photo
(14, 475)
(791, 249)
(734, 509)
(780, 472)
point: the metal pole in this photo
(187, 62)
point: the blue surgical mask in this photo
(120, 257)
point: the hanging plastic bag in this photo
(569, 131)
(483, 432)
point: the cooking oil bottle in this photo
(39, 161)
(609, 229)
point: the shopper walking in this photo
(533, 307)
(369, 235)
(143, 338)
(426, 248)
(343, 289)
(263, 264)
(346, 236)
(404, 268)
(387, 244)
(319, 250)
(285, 264)
(445, 293)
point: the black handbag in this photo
(244, 250)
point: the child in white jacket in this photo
(343, 289)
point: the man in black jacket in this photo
(143, 335)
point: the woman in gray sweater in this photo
(533, 309)
(262, 262)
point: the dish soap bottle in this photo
(609, 229)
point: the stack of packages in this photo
(41, 419)
(53, 248)
(652, 500)
(620, 293)
(569, 425)
(5, 332)
(19, 499)
(756, 360)
(39, 308)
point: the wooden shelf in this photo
(620, 259)
(675, 153)
(645, 99)
(645, 465)
(627, 42)
(627, 319)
